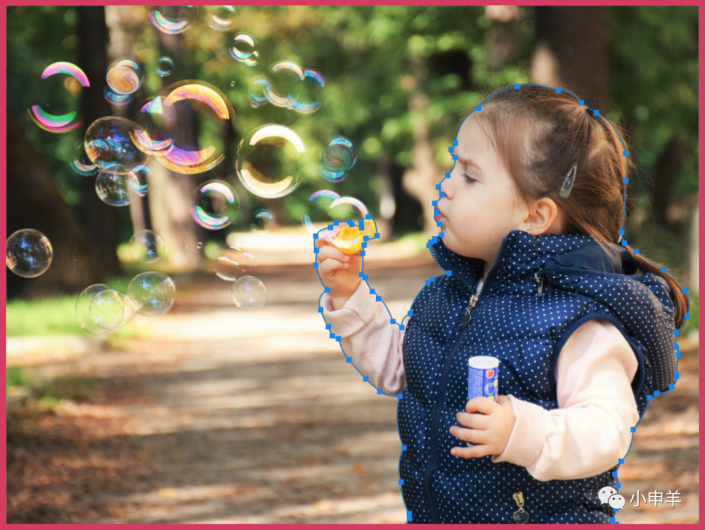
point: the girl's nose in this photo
(446, 187)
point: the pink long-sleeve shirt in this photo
(585, 436)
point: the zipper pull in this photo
(467, 316)
(521, 515)
(539, 280)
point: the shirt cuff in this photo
(359, 310)
(528, 435)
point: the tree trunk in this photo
(100, 220)
(34, 201)
(666, 170)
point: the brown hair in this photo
(538, 135)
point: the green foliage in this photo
(50, 316)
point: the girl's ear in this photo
(544, 217)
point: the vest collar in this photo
(522, 254)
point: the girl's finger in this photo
(330, 265)
(467, 435)
(331, 252)
(470, 452)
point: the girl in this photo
(531, 216)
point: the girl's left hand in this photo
(490, 429)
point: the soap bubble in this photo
(232, 262)
(108, 143)
(199, 245)
(337, 159)
(82, 165)
(28, 253)
(221, 18)
(268, 161)
(319, 204)
(307, 93)
(117, 189)
(249, 293)
(100, 309)
(147, 246)
(174, 112)
(214, 204)
(344, 208)
(106, 309)
(66, 122)
(172, 19)
(244, 49)
(119, 100)
(263, 220)
(289, 86)
(152, 292)
(140, 184)
(165, 66)
(124, 76)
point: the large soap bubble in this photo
(174, 112)
(317, 212)
(233, 262)
(337, 159)
(28, 253)
(108, 143)
(249, 293)
(124, 76)
(172, 19)
(147, 246)
(152, 293)
(268, 161)
(100, 309)
(59, 123)
(117, 188)
(214, 204)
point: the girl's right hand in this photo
(339, 271)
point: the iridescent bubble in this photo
(106, 309)
(268, 161)
(28, 253)
(308, 93)
(233, 262)
(152, 293)
(119, 100)
(108, 143)
(249, 293)
(337, 159)
(244, 49)
(290, 86)
(124, 76)
(165, 66)
(346, 208)
(263, 220)
(82, 165)
(141, 182)
(320, 202)
(214, 204)
(147, 246)
(59, 123)
(174, 114)
(98, 307)
(221, 18)
(117, 189)
(257, 95)
(172, 19)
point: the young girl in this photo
(531, 216)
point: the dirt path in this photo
(225, 416)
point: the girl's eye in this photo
(468, 178)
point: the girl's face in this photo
(480, 206)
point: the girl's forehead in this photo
(472, 140)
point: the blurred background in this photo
(210, 413)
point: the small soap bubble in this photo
(165, 66)
(141, 182)
(28, 253)
(318, 210)
(82, 165)
(263, 220)
(147, 246)
(109, 145)
(249, 293)
(268, 161)
(172, 19)
(117, 189)
(119, 100)
(221, 18)
(124, 76)
(66, 122)
(101, 309)
(152, 292)
(337, 159)
(233, 262)
(244, 49)
(106, 309)
(214, 204)
(199, 245)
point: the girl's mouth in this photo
(439, 217)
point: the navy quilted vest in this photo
(525, 330)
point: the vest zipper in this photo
(467, 316)
(539, 280)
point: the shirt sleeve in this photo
(369, 338)
(590, 430)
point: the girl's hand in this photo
(338, 271)
(490, 429)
